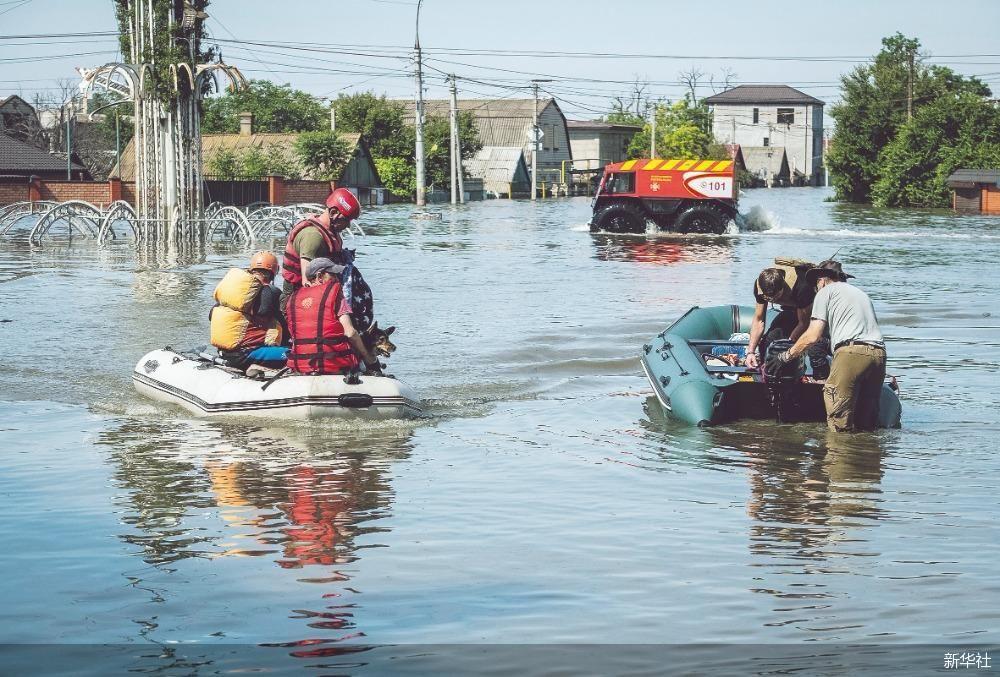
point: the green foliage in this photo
(624, 117)
(225, 164)
(252, 163)
(877, 155)
(379, 120)
(398, 175)
(168, 46)
(948, 133)
(683, 131)
(323, 154)
(437, 145)
(275, 108)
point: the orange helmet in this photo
(344, 202)
(264, 261)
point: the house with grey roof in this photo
(773, 115)
(502, 169)
(768, 165)
(22, 160)
(508, 123)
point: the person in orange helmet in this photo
(246, 323)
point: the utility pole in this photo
(419, 150)
(535, 134)
(453, 126)
(909, 89)
(652, 134)
(457, 183)
(333, 117)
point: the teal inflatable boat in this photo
(695, 369)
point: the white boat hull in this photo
(205, 389)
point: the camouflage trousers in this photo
(852, 391)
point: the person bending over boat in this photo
(324, 340)
(245, 323)
(315, 237)
(852, 391)
(784, 285)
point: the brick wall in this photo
(297, 192)
(13, 192)
(98, 193)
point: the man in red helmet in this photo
(316, 236)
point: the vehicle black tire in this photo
(619, 217)
(702, 218)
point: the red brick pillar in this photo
(34, 189)
(276, 190)
(115, 188)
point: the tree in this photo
(945, 134)
(437, 144)
(253, 162)
(379, 120)
(323, 154)
(880, 155)
(398, 175)
(275, 108)
(683, 131)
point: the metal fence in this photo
(238, 192)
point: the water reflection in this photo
(660, 249)
(298, 497)
(807, 500)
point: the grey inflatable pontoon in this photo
(696, 387)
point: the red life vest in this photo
(318, 342)
(291, 266)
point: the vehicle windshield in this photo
(619, 182)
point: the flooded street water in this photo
(542, 501)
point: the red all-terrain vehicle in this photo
(685, 196)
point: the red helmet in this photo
(344, 202)
(264, 261)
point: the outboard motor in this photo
(783, 384)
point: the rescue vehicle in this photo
(684, 196)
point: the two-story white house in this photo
(773, 115)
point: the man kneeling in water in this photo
(246, 324)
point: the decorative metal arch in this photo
(230, 224)
(116, 212)
(77, 214)
(12, 213)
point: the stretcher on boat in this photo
(686, 366)
(204, 387)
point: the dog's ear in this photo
(374, 328)
(389, 330)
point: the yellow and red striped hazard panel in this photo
(679, 165)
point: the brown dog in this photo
(377, 340)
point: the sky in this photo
(494, 48)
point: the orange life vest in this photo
(233, 324)
(291, 265)
(318, 342)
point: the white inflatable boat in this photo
(206, 388)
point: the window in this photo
(622, 182)
(786, 116)
(756, 115)
(767, 141)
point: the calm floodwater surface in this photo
(540, 502)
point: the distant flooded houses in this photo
(779, 129)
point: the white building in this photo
(596, 144)
(773, 115)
